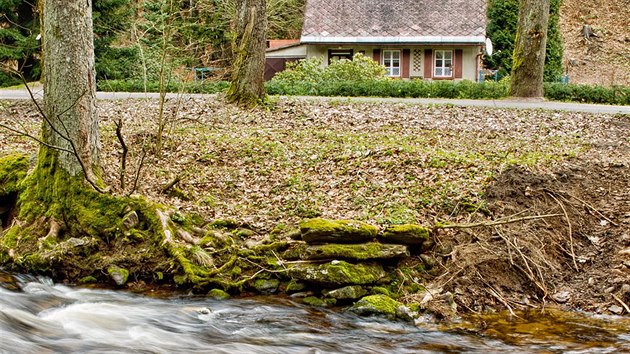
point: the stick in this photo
(566, 215)
(625, 306)
(123, 158)
(496, 222)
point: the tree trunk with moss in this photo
(529, 52)
(247, 83)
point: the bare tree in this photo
(529, 51)
(247, 84)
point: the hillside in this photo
(605, 58)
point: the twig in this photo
(495, 222)
(172, 184)
(135, 180)
(593, 209)
(123, 158)
(24, 133)
(625, 306)
(566, 215)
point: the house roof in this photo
(394, 21)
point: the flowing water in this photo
(37, 316)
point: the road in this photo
(504, 103)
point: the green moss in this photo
(364, 251)
(338, 273)
(88, 280)
(376, 290)
(381, 305)
(294, 286)
(224, 224)
(118, 274)
(266, 286)
(320, 230)
(408, 234)
(218, 294)
(13, 169)
(314, 301)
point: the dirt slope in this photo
(605, 58)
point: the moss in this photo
(13, 170)
(266, 286)
(294, 286)
(118, 274)
(320, 230)
(88, 280)
(218, 294)
(224, 224)
(364, 251)
(314, 301)
(338, 273)
(381, 305)
(407, 234)
(376, 290)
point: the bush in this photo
(360, 68)
(619, 95)
(154, 86)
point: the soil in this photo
(540, 200)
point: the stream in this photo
(37, 316)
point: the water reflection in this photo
(48, 318)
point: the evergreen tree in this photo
(19, 28)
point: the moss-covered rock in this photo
(408, 234)
(266, 286)
(294, 286)
(218, 294)
(337, 231)
(314, 301)
(381, 305)
(119, 275)
(359, 252)
(351, 292)
(338, 273)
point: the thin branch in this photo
(24, 133)
(566, 216)
(495, 222)
(137, 175)
(625, 306)
(123, 158)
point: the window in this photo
(338, 54)
(391, 61)
(443, 63)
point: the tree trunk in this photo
(247, 86)
(529, 52)
(70, 123)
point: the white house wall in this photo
(296, 51)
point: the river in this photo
(37, 316)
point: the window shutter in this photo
(376, 55)
(406, 56)
(459, 57)
(428, 63)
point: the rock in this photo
(617, 310)
(119, 275)
(218, 294)
(359, 252)
(267, 286)
(338, 274)
(338, 231)
(130, 220)
(408, 234)
(625, 289)
(381, 305)
(302, 294)
(294, 286)
(561, 297)
(314, 301)
(351, 292)
(428, 261)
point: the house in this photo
(428, 39)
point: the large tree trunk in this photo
(71, 123)
(247, 86)
(529, 52)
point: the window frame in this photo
(391, 68)
(443, 66)
(343, 53)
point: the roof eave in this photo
(418, 40)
